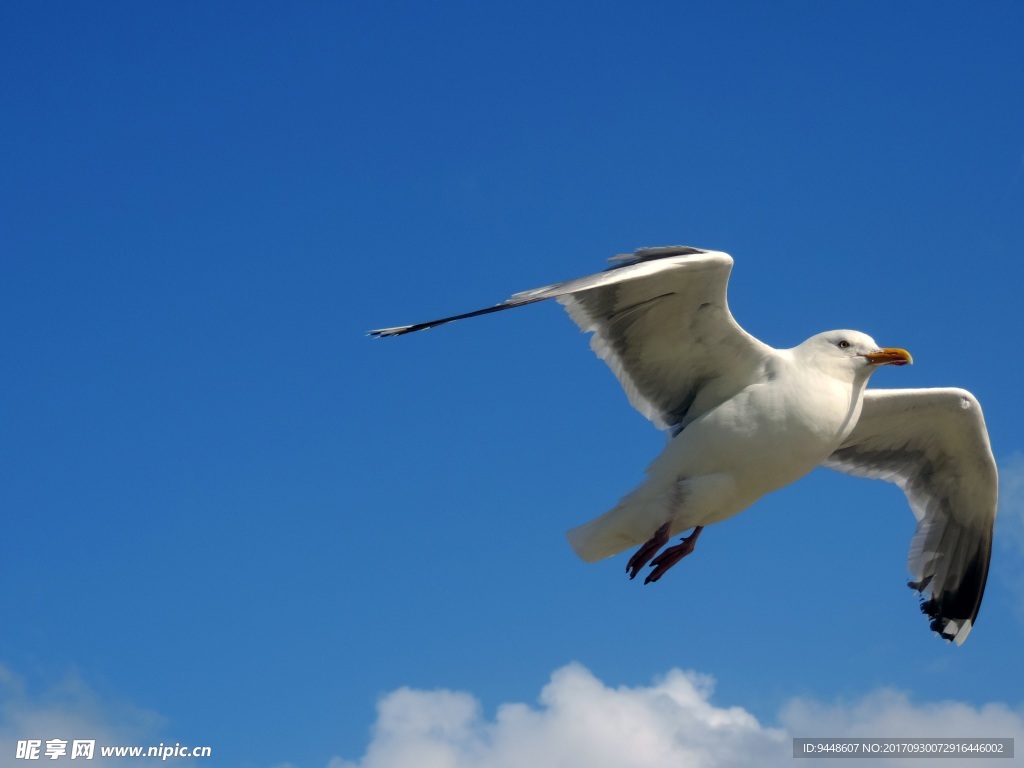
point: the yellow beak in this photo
(890, 356)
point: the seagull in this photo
(744, 419)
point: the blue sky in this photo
(233, 520)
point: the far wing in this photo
(661, 322)
(934, 445)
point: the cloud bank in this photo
(577, 721)
(68, 710)
(580, 721)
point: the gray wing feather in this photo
(661, 322)
(933, 444)
(664, 328)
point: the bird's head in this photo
(853, 351)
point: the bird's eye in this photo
(843, 344)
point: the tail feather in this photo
(627, 525)
(594, 541)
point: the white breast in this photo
(767, 436)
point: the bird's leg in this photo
(673, 555)
(643, 555)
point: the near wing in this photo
(662, 324)
(934, 445)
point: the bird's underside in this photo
(660, 320)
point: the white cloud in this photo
(1010, 522)
(1009, 533)
(891, 714)
(68, 710)
(582, 722)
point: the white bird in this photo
(745, 419)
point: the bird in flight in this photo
(745, 419)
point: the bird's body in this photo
(771, 433)
(745, 419)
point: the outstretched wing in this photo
(934, 445)
(661, 322)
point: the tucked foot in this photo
(672, 555)
(643, 555)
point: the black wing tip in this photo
(539, 294)
(954, 611)
(401, 330)
(386, 333)
(949, 628)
